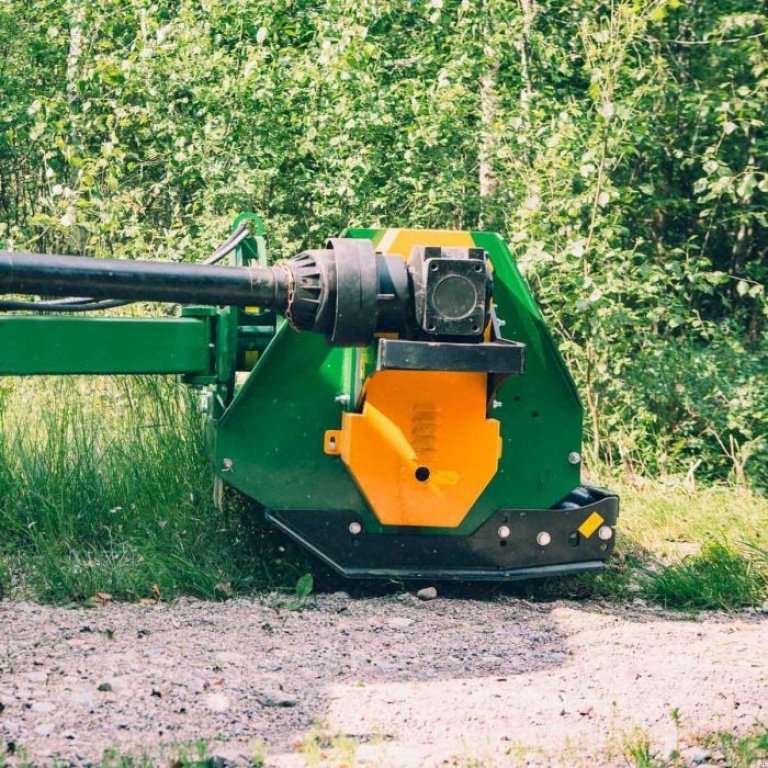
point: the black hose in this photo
(61, 306)
(229, 245)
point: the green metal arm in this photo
(105, 345)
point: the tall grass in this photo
(696, 548)
(106, 488)
(720, 576)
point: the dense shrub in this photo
(620, 146)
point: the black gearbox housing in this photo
(350, 293)
(451, 291)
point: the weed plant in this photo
(106, 488)
(718, 577)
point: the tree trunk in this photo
(489, 102)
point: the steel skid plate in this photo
(512, 544)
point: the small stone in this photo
(399, 622)
(104, 687)
(217, 702)
(341, 595)
(276, 699)
(196, 685)
(217, 761)
(44, 730)
(428, 593)
(37, 677)
(43, 707)
(695, 755)
(764, 607)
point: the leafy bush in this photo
(620, 146)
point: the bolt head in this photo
(504, 531)
(605, 532)
(355, 528)
(574, 457)
(543, 538)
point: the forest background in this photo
(619, 145)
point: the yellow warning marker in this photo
(590, 525)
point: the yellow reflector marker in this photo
(590, 525)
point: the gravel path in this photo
(406, 683)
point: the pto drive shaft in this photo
(138, 280)
(346, 291)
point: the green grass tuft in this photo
(106, 487)
(742, 752)
(718, 577)
(746, 751)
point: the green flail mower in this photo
(394, 401)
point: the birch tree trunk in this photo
(489, 106)
(76, 23)
(489, 102)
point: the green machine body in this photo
(394, 401)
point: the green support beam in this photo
(104, 345)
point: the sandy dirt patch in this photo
(393, 682)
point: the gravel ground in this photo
(406, 683)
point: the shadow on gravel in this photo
(370, 645)
(74, 682)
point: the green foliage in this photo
(742, 752)
(637, 749)
(304, 586)
(5, 576)
(621, 147)
(718, 577)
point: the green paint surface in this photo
(32, 345)
(273, 431)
